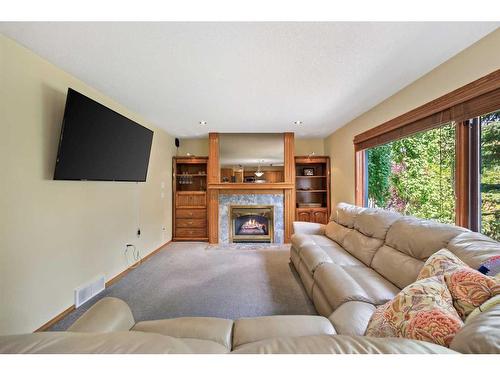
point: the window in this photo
(440, 161)
(415, 175)
(488, 194)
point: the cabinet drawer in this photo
(184, 213)
(191, 199)
(191, 232)
(191, 223)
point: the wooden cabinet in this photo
(303, 214)
(312, 215)
(312, 188)
(320, 215)
(190, 199)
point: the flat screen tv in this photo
(99, 144)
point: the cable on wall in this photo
(136, 256)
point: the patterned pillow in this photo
(469, 288)
(421, 311)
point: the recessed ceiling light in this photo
(298, 122)
(203, 122)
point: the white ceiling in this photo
(248, 77)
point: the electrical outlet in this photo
(138, 232)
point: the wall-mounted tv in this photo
(99, 144)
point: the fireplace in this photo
(251, 223)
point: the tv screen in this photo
(97, 143)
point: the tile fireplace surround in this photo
(228, 199)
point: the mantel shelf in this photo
(251, 186)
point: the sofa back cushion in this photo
(361, 246)
(344, 214)
(474, 248)
(408, 244)
(397, 267)
(336, 232)
(420, 238)
(374, 222)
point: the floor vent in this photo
(86, 292)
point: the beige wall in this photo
(477, 61)
(58, 235)
(303, 146)
(195, 146)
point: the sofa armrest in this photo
(304, 227)
(107, 315)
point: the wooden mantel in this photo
(215, 187)
(251, 186)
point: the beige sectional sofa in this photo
(363, 257)
(109, 327)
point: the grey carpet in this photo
(194, 279)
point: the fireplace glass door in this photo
(251, 223)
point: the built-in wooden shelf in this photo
(312, 189)
(190, 199)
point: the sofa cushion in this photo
(346, 213)
(420, 238)
(93, 343)
(109, 314)
(306, 277)
(421, 311)
(336, 232)
(352, 318)
(480, 335)
(312, 256)
(341, 284)
(469, 288)
(473, 248)
(361, 246)
(376, 287)
(338, 286)
(266, 327)
(321, 304)
(340, 344)
(205, 346)
(301, 240)
(339, 256)
(374, 222)
(399, 268)
(213, 329)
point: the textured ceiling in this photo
(248, 77)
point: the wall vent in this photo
(86, 292)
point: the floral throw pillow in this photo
(469, 288)
(421, 311)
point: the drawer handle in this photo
(190, 222)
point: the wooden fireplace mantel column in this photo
(287, 187)
(213, 178)
(289, 201)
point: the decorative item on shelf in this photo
(259, 172)
(308, 171)
(249, 178)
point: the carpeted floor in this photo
(195, 279)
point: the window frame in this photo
(463, 106)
